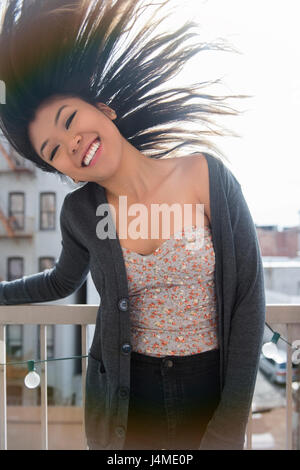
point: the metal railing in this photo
(84, 315)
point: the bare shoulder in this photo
(195, 167)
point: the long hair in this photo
(83, 49)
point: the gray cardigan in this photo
(240, 302)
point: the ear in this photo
(109, 112)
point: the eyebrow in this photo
(55, 122)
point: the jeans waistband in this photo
(212, 354)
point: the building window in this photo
(47, 211)
(46, 262)
(16, 210)
(14, 394)
(14, 341)
(15, 270)
(50, 396)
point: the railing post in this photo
(289, 391)
(84, 352)
(3, 409)
(44, 385)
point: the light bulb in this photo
(270, 350)
(32, 379)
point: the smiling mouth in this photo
(91, 152)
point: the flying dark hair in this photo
(81, 48)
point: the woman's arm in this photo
(226, 430)
(66, 276)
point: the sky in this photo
(265, 159)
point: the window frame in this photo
(42, 194)
(11, 213)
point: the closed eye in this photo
(70, 120)
(53, 153)
(68, 123)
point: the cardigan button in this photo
(123, 392)
(167, 362)
(120, 431)
(126, 348)
(124, 304)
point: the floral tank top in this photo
(172, 295)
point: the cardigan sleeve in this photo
(226, 429)
(66, 276)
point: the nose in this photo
(75, 144)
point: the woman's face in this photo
(64, 129)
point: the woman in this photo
(175, 353)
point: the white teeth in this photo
(90, 154)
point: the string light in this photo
(32, 379)
(270, 349)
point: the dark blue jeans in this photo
(172, 399)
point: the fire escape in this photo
(15, 163)
(11, 162)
